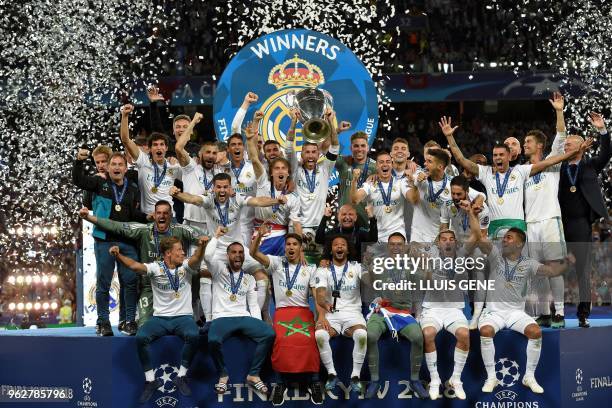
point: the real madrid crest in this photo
(512, 177)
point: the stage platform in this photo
(575, 370)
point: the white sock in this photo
(432, 365)
(322, 337)
(478, 308)
(360, 339)
(557, 286)
(206, 297)
(487, 350)
(262, 292)
(182, 371)
(460, 357)
(534, 348)
(149, 376)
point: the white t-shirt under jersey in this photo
(387, 223)
(313, 208)
(246, 296)
(146, 177)
(285, 214)
(509, 297)
(426, 219)
(301, 287)
(512, 206)
(165, 302)
(541, 199)
(236, 203)
(194, 176)
(350, 291)
(457, 219)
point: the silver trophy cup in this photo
(312, 103)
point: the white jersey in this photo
(448, 297)
(542, 190)
(300, 290)
(350, 291)
(313, 204)
(197, 181)
(232, 208)
(426, 218)
(387, 222)
(512, 200)
(246, 296)
(146, 182)
(284, 214)
(457, 219)
(165, 302)
(509, 293)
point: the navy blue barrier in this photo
(105, 372)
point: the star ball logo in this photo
(578, 376)
(87, 386)
(166, 373)
(507, 372)
(278, 65)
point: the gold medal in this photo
(177, 295)
(233, 297)
(118, 208)
(350, 275)
(224, 230)
(240, 185)
(388, 209)
(508, 285)
(432, 204)
(311, 196)
(289, 293)
(573, 189)
(274, 216)
(500, 201)
(154, 189)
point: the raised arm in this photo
(476, 235)
(249, 99)
(601, 160)
(357, 196)
(558, 103)
(185, 197)
(129, 262)
(128, 143)
(255, 244)
(553, 269)
(181, 153)
(290, 152)
(412, 195)
(79, 178)
(448, 130)
(155, 98)
(551, 161)
(266, 201)
(252, 133)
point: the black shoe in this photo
(558, 322)
(584, 322)
(543, 321)
(130, 328)
(149, 389)
(181, 384)
(278, 395)
(106, 329)
(97, 329)
(121, 326)
(316, 392)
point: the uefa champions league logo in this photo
(507, 372)
(578, 376)
(87, 386)
(166, 373)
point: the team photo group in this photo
(245, 237)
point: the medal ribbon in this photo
(311, 180)
(174, 280)
(433, 197)
(157, 178)
(156, 238)
(386, 196)
(573, 178)
(119, 197)
(338, 285)
(235, 285)
(223, 216)
(364, 173)
(275, 207)
(207, 184)
(501, 188)
(291, 281)
(237, 170)
(509, 273)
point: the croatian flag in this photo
(396, 319)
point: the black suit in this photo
(579, 210)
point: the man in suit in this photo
(582, 203)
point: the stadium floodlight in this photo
(36, 230)
(20, 306)
(11, 279)
(37, 306)
(12, 306)
(28, 279)
(53, 230)
(36, 279)
(20, 230)
(45, 279)
(28, 306)
(54, 305)
(20, 280)
(53, 279)
(45, 305)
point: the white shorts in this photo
(516, 320)
(545, 240)
(443, 318)
(250, 265)
(421, 237)
(342, 320)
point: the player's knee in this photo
(322, 337)
(463, 336)
(373, 337)
(487, 331)
(429, 334)
(360, 337)
(533, 331)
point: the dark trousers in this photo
(578, 235)
(159, 326)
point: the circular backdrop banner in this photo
(282, 63)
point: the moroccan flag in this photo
(295, 348)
